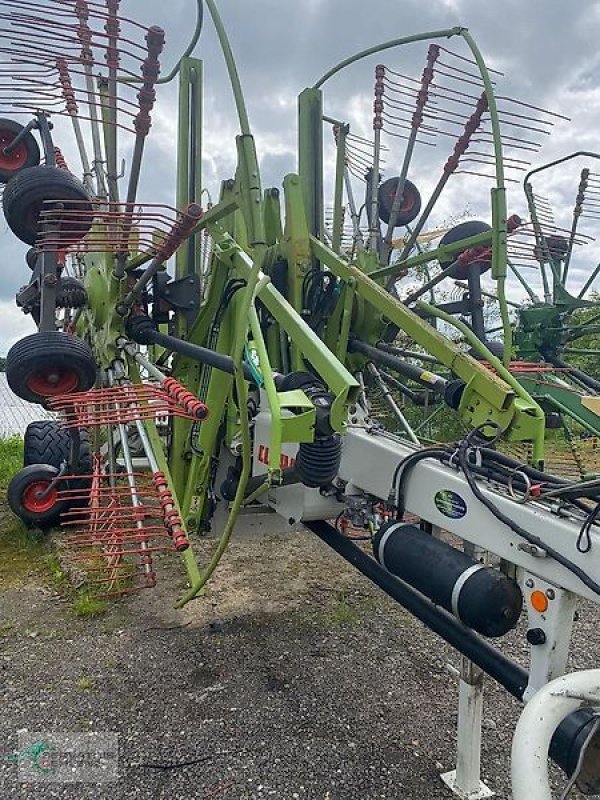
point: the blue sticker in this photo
(450, 504)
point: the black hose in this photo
(529, 537)
(433, 382)
(141, 329)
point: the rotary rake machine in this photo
(244, 375)
(545, 331)
(423, 113)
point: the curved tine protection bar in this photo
(448, 33)
(552, 704)
(570, 157)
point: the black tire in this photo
(463, 231)
(26, 154)
(49, 442)
(24, 199)
(31, 257)
(411, 202)
(45, 364)
(23, 496)
(70, 293)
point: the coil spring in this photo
(172, 520)
(186, 399)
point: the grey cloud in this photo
(546, 47)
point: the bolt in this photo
(536, 636)
(550, 594)
(529, 583)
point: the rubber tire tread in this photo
(39, 348)
(33, 186)
(15, 491)
(32, 158)
(49, 442)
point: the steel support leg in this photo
(464, 781)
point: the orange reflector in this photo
(539, 601)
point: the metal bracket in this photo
(182, 294)
(28, 296)
(550, 612)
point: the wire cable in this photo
(463, 460)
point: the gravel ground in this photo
(293, 677)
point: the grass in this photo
(55, 574)
(342, 613)
(25, 552)
(11, 459)
(86, 605)
(22, 552)
(85, 683)
(20, 548)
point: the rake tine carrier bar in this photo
(239, 351)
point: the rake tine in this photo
(577, 211)
(451, 165)
(87, 60)
(416, 123)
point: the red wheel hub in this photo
(408, 199)
(52, 381)
(17, 158)
(37, 499)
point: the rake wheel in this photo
(464, 231)
(26, 153)
(26, 194)
(49, 442)
(32, 499)
(45, 364)
(411, 201)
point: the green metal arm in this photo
(530, 406)
(487, 398)
(447, 33)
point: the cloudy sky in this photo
(547, 50)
